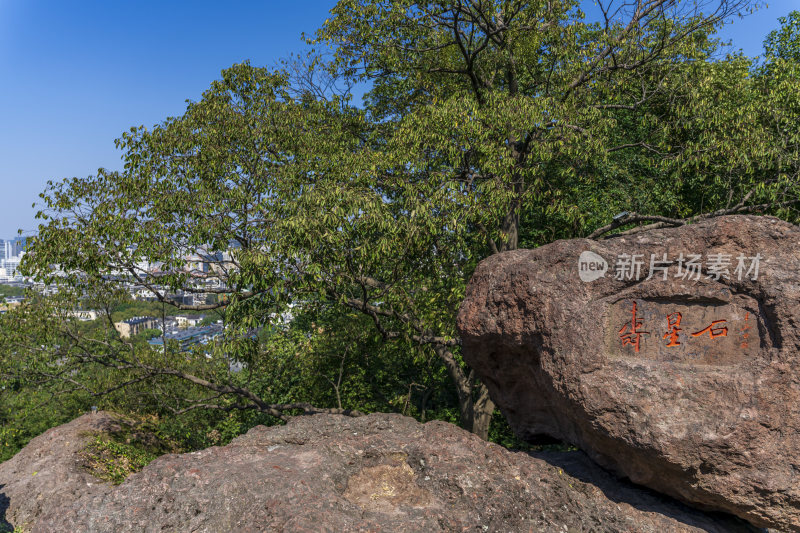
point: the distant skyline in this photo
(78, 74)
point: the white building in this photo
(84, 316)
(10, 263)
(189, 321)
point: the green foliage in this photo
(27, 411)
(110, 460)
(149, 334)
(784, 42)
(7, 291)
(127, 309)
(487, 126)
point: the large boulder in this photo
(49, 472)
(375, 473)
(684, 378)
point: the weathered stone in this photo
(688, 386)
(375, 473)
(48, 473)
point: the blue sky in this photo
(75, 75)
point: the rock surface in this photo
(689, 385)
(48, 472)
(375, 473)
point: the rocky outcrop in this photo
(48, 473)
(375, 473)
(680, 372)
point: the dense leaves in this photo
(487, 126)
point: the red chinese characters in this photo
(714, 330)
(673, 323)
(630, 332)
(679, 328)
(744, 330)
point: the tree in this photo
(485, 113)
(784, 43)
(248, 129)
(489, 124)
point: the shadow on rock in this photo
(621, 491)
(4, 503)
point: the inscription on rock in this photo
(696, 333)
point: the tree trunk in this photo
(482, 412)
(475, 414)
(510, 230)
(466, 411)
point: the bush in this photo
(113, 461)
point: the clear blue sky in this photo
(75, 74)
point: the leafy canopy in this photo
(488, 125)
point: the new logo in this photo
(591, 266)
